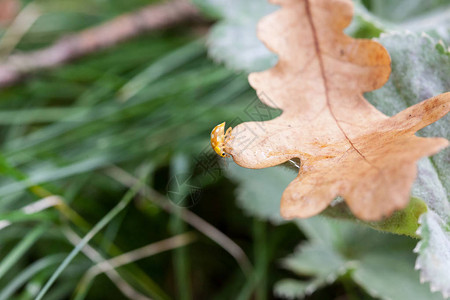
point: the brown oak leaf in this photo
(347, 147)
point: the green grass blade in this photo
(20, 249)
(168, 63)
(99, 226)
(28, 273)
(179, 167)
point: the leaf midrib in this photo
(325, 81)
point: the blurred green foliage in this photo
(147, 106)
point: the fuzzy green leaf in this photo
(334, 247)
(259, 191)
(434, 252)
(422, 70)
(419, 71)
(290, 289)
(233, 40)
(312, 259)
(376, 269)
(401, 10)
(432, 17)
(381, 264)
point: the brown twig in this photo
(152, 17)
(187, 216)
(126, 289)
(140, 253)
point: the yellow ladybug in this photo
(219, 139)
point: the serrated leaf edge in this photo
(419, 266)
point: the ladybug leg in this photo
(228, 136)
(228, 132)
